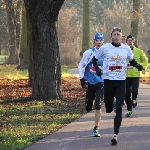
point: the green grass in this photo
(11, 72)
(3, 58)
(22, 124)
(64, 71)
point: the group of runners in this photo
(112, 70)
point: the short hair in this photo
(130, 36)
(116, 29)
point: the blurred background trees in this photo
(103, 16)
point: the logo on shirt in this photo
(117, 57)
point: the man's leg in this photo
(99, 93)
(90, 95)
(109, 92)
(128, 97)
(120, 94)
(134, 91)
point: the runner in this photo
(94, 82)
(123, 39)
(114, 70)
(133, 75)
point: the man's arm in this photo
(132, 60)
(83, 63)
(144, 60)
(98, 54)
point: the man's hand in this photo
(83, 83)
(143, 72)
(139, 67)
(99, 72)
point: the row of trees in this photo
(102, 16)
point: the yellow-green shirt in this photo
(141, 58)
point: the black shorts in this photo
(94, 92)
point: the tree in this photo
(14, 9)
(44, 59)
(12, 31)
(86, 26)
(135, 20)
(24, 47)
(18, 26)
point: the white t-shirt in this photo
(114, 64)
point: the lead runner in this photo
(113, 73)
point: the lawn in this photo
(23, 120)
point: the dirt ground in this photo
(18, 90)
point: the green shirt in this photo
(141, 58)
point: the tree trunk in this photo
(135, 20)
(18, 28)
(44, 50)
(12, 32)
(86, 26)
(24, 48)
(0, 46)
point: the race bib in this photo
(113, 66)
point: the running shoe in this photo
(95, 132)
(114, 140)
(129, 114)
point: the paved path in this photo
(134, 131)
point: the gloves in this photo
(83, 83)
(94, 62)
(99, 72)
(139, 67)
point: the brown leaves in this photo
(15, 89)
(145, 80)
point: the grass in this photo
(3, 58)
(21, 124)
(28, 122)
(64, 71)
(11, 72)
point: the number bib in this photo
(113, 66)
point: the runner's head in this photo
(98, 40)
(116, 35)
(123, 39)
(130, 40)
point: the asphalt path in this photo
(134, 132)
